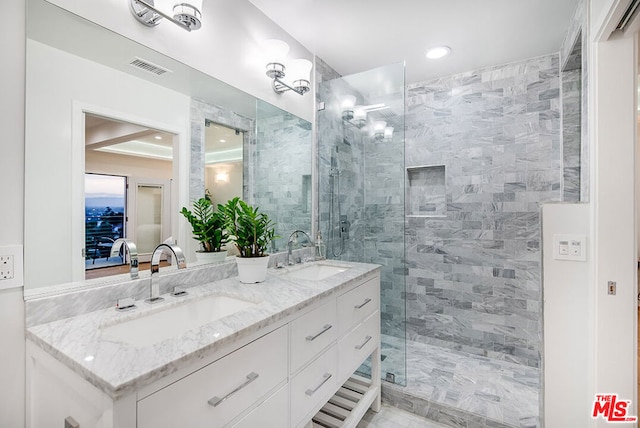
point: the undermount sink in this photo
(171, 321)
(316, 271)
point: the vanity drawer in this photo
(355, 305)
(219, 392)
(356, 346)
(313, 386)
(274, 412)
(311, 333)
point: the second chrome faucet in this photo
(178, 256)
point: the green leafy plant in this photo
(251, 231)
(208, 225)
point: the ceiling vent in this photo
(629, 14)
(149, 67)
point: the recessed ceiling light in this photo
(158, 137)
(438, 52)
(223, 141)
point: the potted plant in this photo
(251, 232)
(209, 229)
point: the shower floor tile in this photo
(500, 391)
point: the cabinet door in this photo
(313, 386)
(311, 333)
(272, 413)
(221, 391)
(356, 305)
(357, 345)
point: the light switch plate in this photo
(570, 247)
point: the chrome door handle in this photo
(325, 378)
(325, 329)
(215, 401)
(366, 340)
(367, 300)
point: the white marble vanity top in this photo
(118, 368)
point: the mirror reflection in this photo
(127, 193)
(223, 162)
(68, 112)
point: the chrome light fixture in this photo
(381, 131)
(348, 104)
(299, 69)
(185, 15)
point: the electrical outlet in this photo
(6, 267)
(11, 266)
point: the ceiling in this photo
(357, 35)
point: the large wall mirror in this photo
(93, 116)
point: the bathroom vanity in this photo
(282, 353)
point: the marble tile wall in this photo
(200, 111)
(573, 58)
(473, 279)
(282, 171)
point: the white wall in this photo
(613, 215)
(12, 354)
(57, 83)
(223, 191)
(227, 46)
(567, 292)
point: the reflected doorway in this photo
(138, 162)
(223, 162)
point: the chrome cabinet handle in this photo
(366, 340)
(326, 328)
(325, 378)
(367, 300)
(215, 401)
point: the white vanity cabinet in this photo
(285, 374)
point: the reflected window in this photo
(104, 213)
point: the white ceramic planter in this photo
(210, 257)
(252, 269)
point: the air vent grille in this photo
(148, 66)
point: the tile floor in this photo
(495, 390)
(391, 417)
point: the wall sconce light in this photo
(348, 104)
(381, 131)
(222, 176)
(185, 15)
(299, 69)
(359, 117)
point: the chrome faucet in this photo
(178, 256)
(133, 254)
(292, 239)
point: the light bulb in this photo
(299, 69)
(348, 102)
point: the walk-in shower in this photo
(362, 189)
(474, 157)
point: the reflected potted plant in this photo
(208, 227)
(251, 232)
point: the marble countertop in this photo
(118, 368)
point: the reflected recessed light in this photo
(158, 137)
(438, 52)
(223, 141)
(89, 358)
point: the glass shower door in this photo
(361, 190)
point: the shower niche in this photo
(426, 191)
